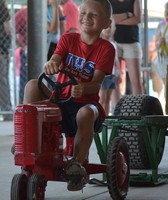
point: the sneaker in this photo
(76, 175)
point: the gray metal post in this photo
(146, 43)
(37, 37)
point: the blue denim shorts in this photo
(109, 82)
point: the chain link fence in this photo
(13, 56)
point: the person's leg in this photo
(116, 95)
(109, 83)
(85, 119)
(133, 66)
(102, 95)
(105, 97)
(107, 101)
(122, 84)
(32, 93)
(157, 83)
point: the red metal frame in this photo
(39, 142)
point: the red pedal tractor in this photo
(39, 149)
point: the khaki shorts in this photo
(132, 50)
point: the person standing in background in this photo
(21, 41)
(71, 11)
(156, 80)
(127, 15)
(162, 46)
(110, 90)
(55, 25)
(5, 44)
(161, 60)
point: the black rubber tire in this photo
(19, 187)
(36, 187)
(118, 169)
(139, 105)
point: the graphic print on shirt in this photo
(79, 67)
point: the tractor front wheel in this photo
(19, 187)
(36, 187)
(118, 168)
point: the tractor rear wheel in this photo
(139, 105)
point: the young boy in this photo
(89, 58)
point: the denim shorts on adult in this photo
(109, 82)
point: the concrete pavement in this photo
(57, 190)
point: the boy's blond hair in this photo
(106, 4)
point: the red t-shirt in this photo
(82, 60)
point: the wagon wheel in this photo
(118, 168)
(36, 187)
(139, 105)
(19, 187)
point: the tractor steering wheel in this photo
(56, 87)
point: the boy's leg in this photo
(85, 120)
(32, 93)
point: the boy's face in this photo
(92, 17)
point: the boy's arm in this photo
(91, 87)
(53, 65)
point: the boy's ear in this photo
(108, 23)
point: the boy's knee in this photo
(30, 91)
(88, 113)
(84, 111)
(32, 84)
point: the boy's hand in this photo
(51, 67)
(77, 90)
